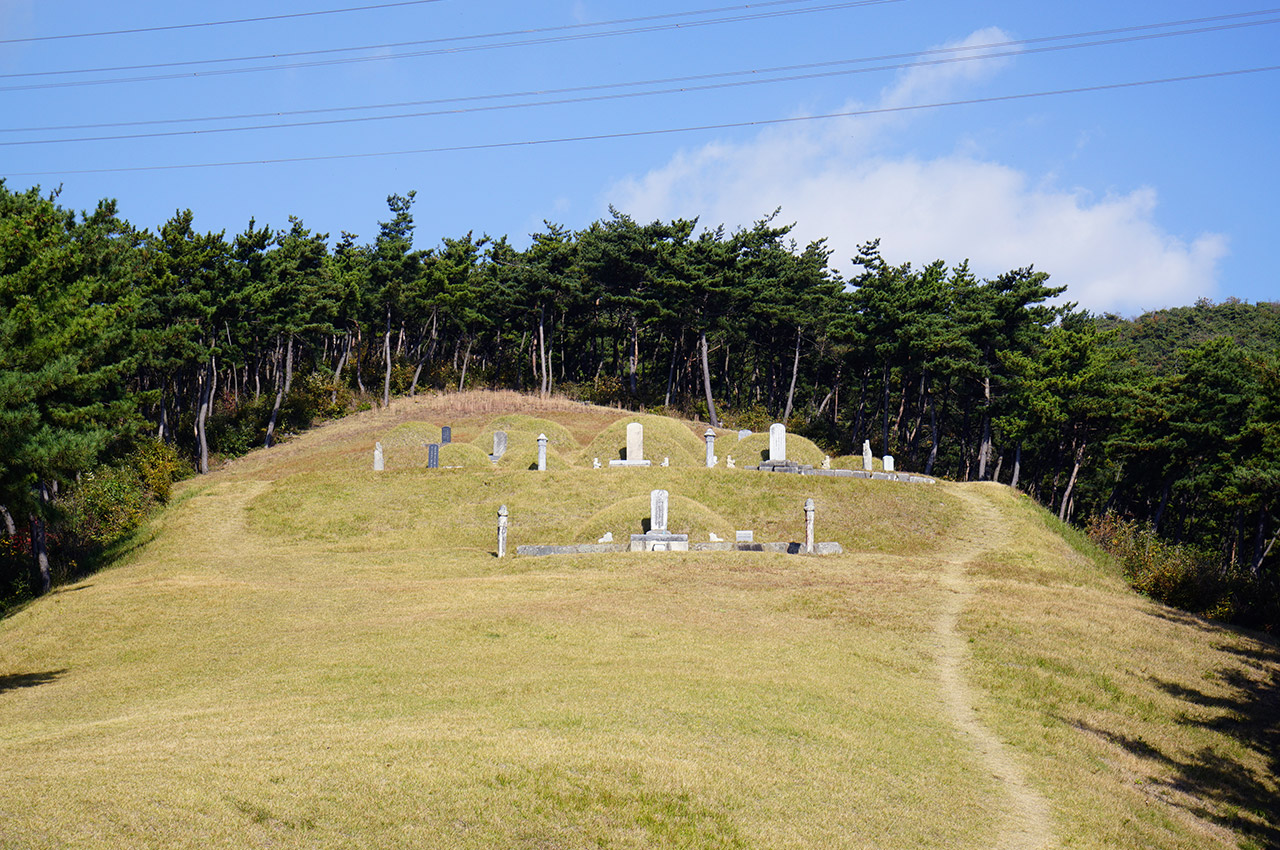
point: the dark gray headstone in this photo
(446, 435)
(433, 456)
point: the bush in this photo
(158, 465)
(1180, 575)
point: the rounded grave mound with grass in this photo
(663, 437)
(855, 462)
(466, 455)
(522, 452)
(631, 516)
(405, 446)
(753, 449)
(558, 436)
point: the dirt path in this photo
(1027, 825)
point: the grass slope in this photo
(307, 654)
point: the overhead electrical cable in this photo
(765, 122)
(1013, 49)
(381, 57)
(661, 80)
(171, 27)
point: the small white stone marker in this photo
(608, 537)
(744, 433)
(866, 455)
(745, 537)
(710, 437)
(502, 531)
(377, 457)
(714, 538)
(826, 461)
(635, 441)
(658, 510)
(542, 452)
(728, 462)
(808, 526)
(666, 461)
(888, 463)
(595, 464)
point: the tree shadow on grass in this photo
(1237, 794)
(28, 680)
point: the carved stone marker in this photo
(608, 537)
(658, 510)
(635, 447)
(502, 531)
(542, 452)
(744, 537)
(378, 465)
(745, 432)
(888, 463)
(657, 538)
(866, 455)
(777, 442)
(728, 462)
(808, 526)
(826, 461)
(446, 435)
(710, 437)
(595, 464)
(433, 456)
(499, 445)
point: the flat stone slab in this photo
(579, 549)
(631, 463)
(659, 541)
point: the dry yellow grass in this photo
(309, 654)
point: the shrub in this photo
(106, 504)
(1180, 575)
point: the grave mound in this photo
(630, 516)
(558, 436)
(752, 449)
(663, 437)
(466, 455)
(855, 462)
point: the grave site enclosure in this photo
(336, 643)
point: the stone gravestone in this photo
(777, 442)
(502, 531)
(657, 538)
(866, 455)
(433, 456)
(499, 445)
(777, 461)
(378, 465)
(446, 435)
(542, 452)
(888, 463)
(635, 447)
(745, 432)
(710, 437)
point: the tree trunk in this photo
(40, 545)
(281, 392)
(984, 450)
(386, 353)
(1071, 483)
(208, 386)
(466, 359)
(635, 353)
(1017, 465)
(795, 373)
(885, 423)
(706, 382)
(9, 527)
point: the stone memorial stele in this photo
(777, 441)
(378, 465)
(499, 445)
(866, 455)
(446, 435)
(542, 452)
(744, 537)
(502, 531)
(710, 437)
(657, 538)
(635, 447)
(888, 463)
(745, 432)
(433, 456)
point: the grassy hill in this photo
(304, 653)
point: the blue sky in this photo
(1135, 197)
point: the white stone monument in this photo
(808, 526)
(866, 455)
(888, 463)
(542, 452)
(378, 465)
(635, 447)
(502, 531)
(710, 437)
(657, 538)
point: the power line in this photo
(170, 27)
(1012, 48)
(857, 113)
(644, 27)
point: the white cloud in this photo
(830, 179)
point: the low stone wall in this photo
(535, 550)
